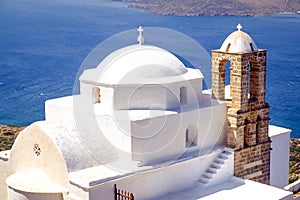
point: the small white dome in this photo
(238, 42)
(136, 63)
(142, 62)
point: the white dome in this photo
(136, 63)
(238, 42)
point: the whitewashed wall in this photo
(58, 109)
(140, 97)
(50, 160)
(280, 154)
(158, 182)
(164, 137)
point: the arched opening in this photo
(258, 129)
(228, 88)
(246, 133)
(225, 76)
(227, 72)
(191, 137)
(249, 80)
(253, 84)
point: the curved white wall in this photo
(158, 96)
(34, 149)
(14, 194)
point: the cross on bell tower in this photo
(239, 27)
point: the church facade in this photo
(142, 128)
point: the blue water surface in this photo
(43, 43)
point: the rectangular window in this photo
(183, 95)
(191, 137)
(96, 95)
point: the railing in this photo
(122, 195)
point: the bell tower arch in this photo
(247, 111)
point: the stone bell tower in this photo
(247, 111)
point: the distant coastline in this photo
(216, 7)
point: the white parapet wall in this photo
(279, 169)
(153, 183)
(60, 108)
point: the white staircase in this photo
(221, 168)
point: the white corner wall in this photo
(163, 138)
(157, 139)
(280, 154)
(60, 108)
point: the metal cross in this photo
(239, 27)
(140, 38)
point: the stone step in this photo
(204, 180)
(228, 151)
(216, 165)
(219, 161)
(208, 175)
(223, 156)
(212, 169)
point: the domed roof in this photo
(238, 42)
(142, 60)
(134, 64)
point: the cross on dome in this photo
(140, 38)
(239, 27)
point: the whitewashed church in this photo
(142, 128)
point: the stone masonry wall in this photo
(253, 163)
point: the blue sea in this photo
(43, 43)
